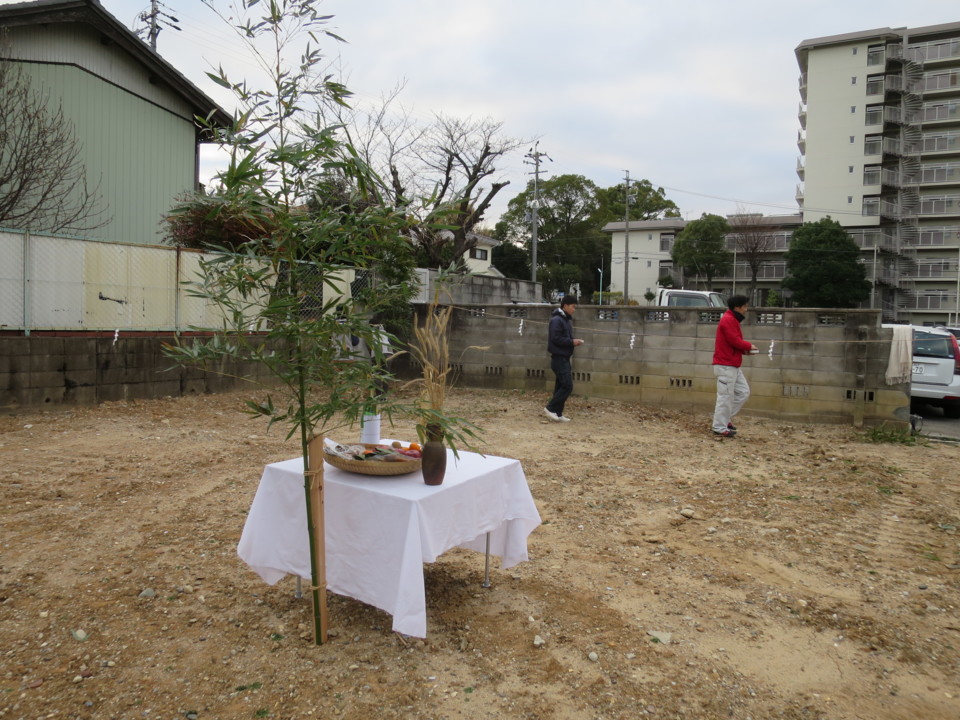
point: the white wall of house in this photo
(650, 243)
(479, 258)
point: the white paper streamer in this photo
(633, 339)
(116, 335)
(520, 329)
(770, 351)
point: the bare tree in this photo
(754, 236)
(461, 154)
(43, 181)
(444, 173)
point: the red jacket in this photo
(730, 347)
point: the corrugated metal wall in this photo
(138, 138)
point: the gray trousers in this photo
(732, 393)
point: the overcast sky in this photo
(697, 96)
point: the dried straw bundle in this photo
(432, 351)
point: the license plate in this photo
(918, 369)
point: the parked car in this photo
(678, 297)
(936, 369)
(955, 331)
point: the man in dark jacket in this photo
(728, 351)
(560, 345)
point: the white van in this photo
(936, 369)
(676, 297)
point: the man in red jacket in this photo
(728, 352)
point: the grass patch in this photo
(891, 435)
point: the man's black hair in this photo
(569, 300)
(735, 301)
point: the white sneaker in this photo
(553, 416)
(564, 418)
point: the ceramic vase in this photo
(434, 456)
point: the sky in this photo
(699, 97)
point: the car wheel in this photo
(951, 411)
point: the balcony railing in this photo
(945, 205)
(946, 142)
(949, 80)
(946, 301)
(939, 112)
(934, 50)
(870, 238)
(939, 236)
(941, 270)
(945, 173)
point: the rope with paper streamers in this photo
(523, 322)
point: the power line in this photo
(154, 20)
(793, 207)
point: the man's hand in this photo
(577, 341)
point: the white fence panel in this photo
(55, 283)
(194, 312)
(11, 280)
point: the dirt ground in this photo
(818, 576)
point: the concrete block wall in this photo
(77, 369)
(825, 365)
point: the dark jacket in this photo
(560, 335)
(730, 347)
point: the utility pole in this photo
(534, 157)
(153, 20)
(626, 243)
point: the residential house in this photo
(132, 111)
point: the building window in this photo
(666, 243)
(875, 85)
(850, 169)
(853, 109)
(871, 206)
(649, 263)
(872, 145)
(849, 199)
(478, 254)
(853, 139)
(853, 80)
(875, 55)
(873, 115)
(854, 51)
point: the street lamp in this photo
(601, 279)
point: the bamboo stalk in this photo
(318, 538)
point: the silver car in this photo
(936, 369)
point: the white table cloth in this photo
(381, 529)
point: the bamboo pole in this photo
(317, 534)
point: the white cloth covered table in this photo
(381, 529)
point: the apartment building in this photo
(879, 144)
(640, 257)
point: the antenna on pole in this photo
(534, 157)
(154, 20)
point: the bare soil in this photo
(817, 577)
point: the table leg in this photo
(486, 565)
(298, 593)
